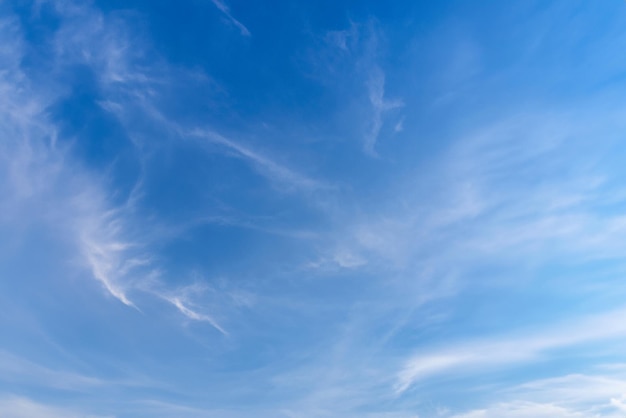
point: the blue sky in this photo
(401, 209)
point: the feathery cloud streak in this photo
(226, 10)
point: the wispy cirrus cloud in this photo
(473, 214)
(114, 261)
(353, 55)
(223, 7)
(42, 170)
(401, 252)
(523, 410)
(512, 350)
(22, 407)
(112, 239)
(267, 165)
(430, 251)
(574, 395)
(368, 51)
(182, 299)
(380, 106)
(18, 370)
(183, 307)
(274, 171)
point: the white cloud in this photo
(575, 395)
(20, 407)
(501, 194)
(380, 105)
(619, 403)
(181, 299)
(223, 7)
(15, 370)
(473, 219)
(522, 410)
(399, 127)
(346, 259)
(508, 351)
(42, 172)
(268, 167)
(351, 57)
(573, 389)
(106, 252)
(38, 173)
(106, 43)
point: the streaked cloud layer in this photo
(217, 209)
